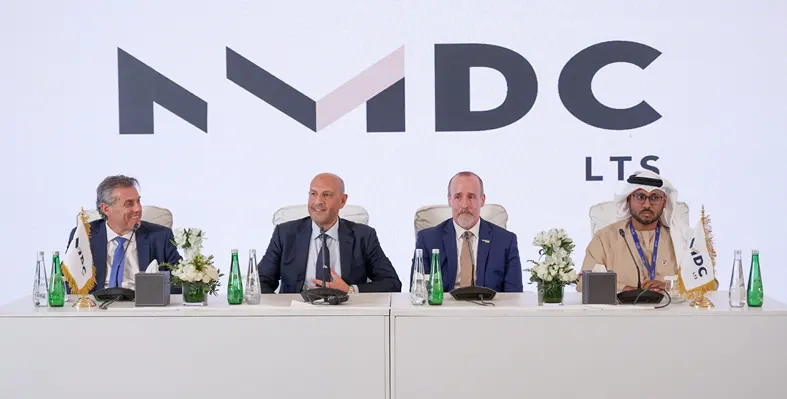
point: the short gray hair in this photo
(465, 173)
(106, 188)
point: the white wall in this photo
(719, 85)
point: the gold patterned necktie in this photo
(466, 261)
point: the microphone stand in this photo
(331, 296)
(118, 293)
(633, 297)
(473, 293)
(325, 270)
(472, 279)
(639, 271)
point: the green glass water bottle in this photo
(754, 295)
(235, 284)
(435, 280)
(57, 291)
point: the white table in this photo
(518, 350)
(269, 350)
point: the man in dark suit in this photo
(472, 250)
(121, 243)
(350, 252)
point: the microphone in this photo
(639, 279)
(325, 295)
(472, 264)
(473, 293)
(639, 295)
(117, 293)
(326, 271)
(133, 231)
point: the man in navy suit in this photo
(472, 250)
(324, 250)
(119, 249)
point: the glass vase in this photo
(194, 295)
(550, 292)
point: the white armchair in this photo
(353, 213)
(605, 213)
(150, 214)
(432, 215)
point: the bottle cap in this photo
(56, 253)
(234, 251)
(435, 251)
(419, 252)
(755, 251)
(252, 252)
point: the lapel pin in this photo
(485, 241)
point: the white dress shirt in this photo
(473, 241)
(314, 248)
(130, 266)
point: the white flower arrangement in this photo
(557, 267)
(194, 268)
(189, 240)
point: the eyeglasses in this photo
(654, 199)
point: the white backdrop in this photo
(718, 84)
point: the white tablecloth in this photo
(272, 350)
(380, 346)
(518, 349)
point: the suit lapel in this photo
(346, 241)
(302, 242)
(449, 255)
(143, 248)
(484, 243)
(98, 246)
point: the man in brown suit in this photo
(646, 210)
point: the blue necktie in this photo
(321, 273)
(116, 276)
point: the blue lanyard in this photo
(652, 267)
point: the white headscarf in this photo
(680, 232)
(621, 199)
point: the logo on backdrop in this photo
(382, 88)
(645, 163)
